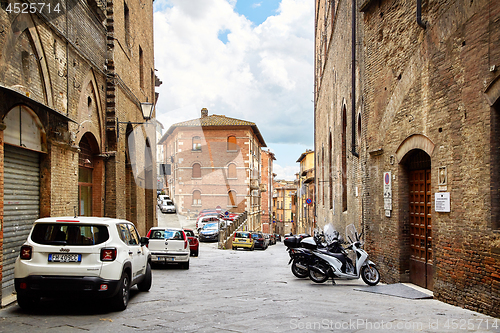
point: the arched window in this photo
(196, 143)
(231, 143)
(344, 159)
(196, 198)
(231, 198)
(231, 171)
(196, 171)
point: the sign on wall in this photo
(442, 202)
(387, 193)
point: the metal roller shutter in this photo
(21, 206)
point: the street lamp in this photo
(147, 113)
(147, 110)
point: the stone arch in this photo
(492, 93)
(414, 141)
(21, 24)
(90, 117)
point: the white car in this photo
(203, 220)
(167, 206)
(90, 257)
(169, 245)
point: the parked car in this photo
(91, 257)
(167, 207)
(244, 240)
(210, 232)
(200, 223)
(169, 245)
(194, 244)
(261, 242)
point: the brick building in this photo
(425, 128)
(65, 77)
(266, 201)
(215, 161)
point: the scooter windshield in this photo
(330, 233)
(351, 233)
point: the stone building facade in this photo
(283, 214)
(427, 129)
(60, 154)
(215, 161)
(338, 167)
(267, 178)
(306, 198)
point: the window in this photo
(231, 199)
(196, 143)
(231, 143)
(344, 160)
(196, 171)
(134, 235)
(141, 68)
(196, 198)
(126, 16)
(231, 171)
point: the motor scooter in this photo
(326, 264)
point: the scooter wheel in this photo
(299, 272)
(370, 274)
(317, 276)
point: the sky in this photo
(245, 59)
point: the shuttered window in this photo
(196, 171)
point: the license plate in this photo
(60, 257)
(165, 258)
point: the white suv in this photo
(82, 257)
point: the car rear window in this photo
(69, 234)
(242, 235)
(167, 234)
(189, 233)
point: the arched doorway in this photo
(417, 164)
(88, 177)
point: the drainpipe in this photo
(353, 81)
(419, 15)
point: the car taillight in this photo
(26, 251)
(185, 244)
(108, 254)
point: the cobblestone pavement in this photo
(247, 291)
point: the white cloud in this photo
(287, 172)
(262, 74)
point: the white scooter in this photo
(327, 264)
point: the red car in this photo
(194, 244)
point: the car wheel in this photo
(252, 248)
(120, 300)
(185, 265)
(196, 253)
(26, 302)
(234, 248)
(145, 284)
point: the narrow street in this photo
(246, 291)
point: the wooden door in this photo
(421, 268)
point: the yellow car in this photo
(243, 239)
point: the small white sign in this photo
(442, 202)
(387, 213)
(387, 203)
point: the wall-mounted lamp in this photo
(147, 113)
(147, 110)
